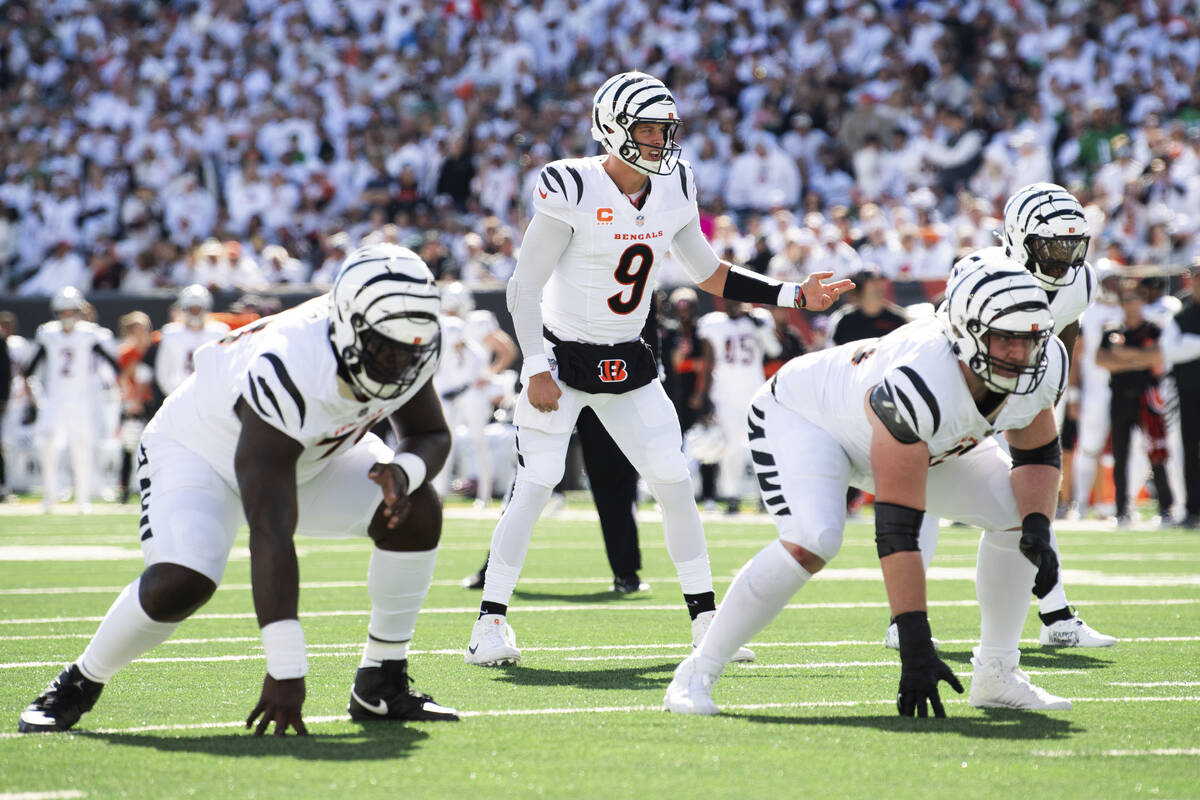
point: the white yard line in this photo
(588, 607)
(535, 712)
(64, 794)
(1148, 684)
(1164, 751)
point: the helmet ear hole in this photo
(357, 322)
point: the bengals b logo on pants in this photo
(612, 370)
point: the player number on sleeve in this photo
(635, 278)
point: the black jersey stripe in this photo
(288, 384)
(545, 181)
(262, 410)
(557, 179)
(1087, 285)
(266, 388)
(574, 173)
(683, 182)
(765, 459)
(912, 412)
(926, 395)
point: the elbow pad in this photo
(884, 406)
(510, 294)
(1049, 455)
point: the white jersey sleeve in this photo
(916, 404)
(550, 193)
(1069, 302)
(273, 394)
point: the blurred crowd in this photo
(246, 144)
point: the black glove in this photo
(1035, 545)
(920, 668)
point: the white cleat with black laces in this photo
(493, 642)
(997, 684)
(700, 626)
(1073, 632)
(690, 691)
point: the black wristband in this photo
(916, 639)
(745, 286)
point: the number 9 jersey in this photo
(600, 290)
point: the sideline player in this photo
(909, 417)
(586, 271)
(741, 338)
(273, 427)
(65, 362)
(181, 340)
(1045, 231)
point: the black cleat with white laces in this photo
(384, 692)
(68, 698)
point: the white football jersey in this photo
(67, 361)
(464, 360)
(830, 388)
(177, 349)
(1092, 325)
(1068, 303)
(481, 323)
(739, 345)
(600, 290)
(284, 367)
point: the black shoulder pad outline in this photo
(884, 406)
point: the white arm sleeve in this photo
(1178, 347)
(543, 244)
(694, 252)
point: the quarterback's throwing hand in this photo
(280, 703)
(394, 483)
(819, 296)
(544, 392)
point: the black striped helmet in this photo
(626, 100)
(996, 295)
(1044, 229)
(383, 320)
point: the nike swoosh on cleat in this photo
(380, 708)
(472, 650)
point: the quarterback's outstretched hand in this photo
(394, 483)
(920, 668)
(280, 703)
(544, 392)
(819, 296)
(1035, 546)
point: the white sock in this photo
(126, 633)
(1003, 581)
(927, 538)
(1057, 598)
(685, 535)
(510, 540)
(756, 596)
(397, 583)
(1083, 475)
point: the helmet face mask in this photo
(383, 321)
(195, 302)
(626, 101)
(1045, 229)
(67, 305)
(999, 323)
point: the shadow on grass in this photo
(998, 723)
(1045, 658)
(575, 597)
(374, 742)
(640, 676)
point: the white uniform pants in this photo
(469, 411)
(72, 425)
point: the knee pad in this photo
(540, 467)
(665, 466)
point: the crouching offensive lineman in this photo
(273, 427)
(909, 417)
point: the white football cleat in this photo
(1074, 632)
(891, 639)
(700, 627)
(690, 691)
(995, 684)
(493, 642)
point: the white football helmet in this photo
(626, 100)
(383, 320)
(68, 298)
(1046, 231)
(998, 297)
(195, 302)
(457, 299)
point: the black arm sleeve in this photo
(32, 364)
(750, 287)
(100, 351)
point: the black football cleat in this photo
(384, 692)
(628, 584)
(65, 700)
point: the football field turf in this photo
(580, 717)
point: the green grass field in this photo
(580, 716)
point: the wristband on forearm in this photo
(413, 467)
(287, 656)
